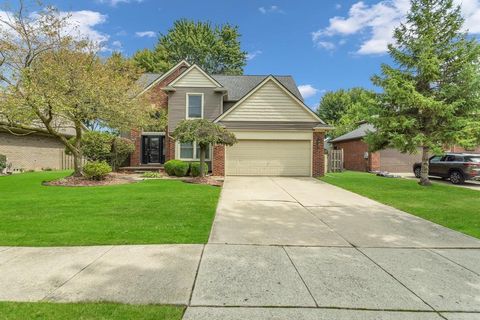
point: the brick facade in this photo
(354, 155)
(460, 149)
(318, 154)
(169, 148)
(218, 161)
(159, 98)
(31, 152)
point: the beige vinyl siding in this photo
(270, 103)
(269, 158)
(194, 78)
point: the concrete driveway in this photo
(298, 248)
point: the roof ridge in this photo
(252, 75)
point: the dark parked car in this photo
(458, 167)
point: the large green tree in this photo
(344, 109)
(431, 93)
(216, 49)
(52, 82)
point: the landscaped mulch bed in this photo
(111, 179)
(205, 180)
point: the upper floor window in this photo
(194, 105)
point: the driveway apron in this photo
(299, 248)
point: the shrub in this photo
(3, 162)
(195, 169)
(181, 169)
(170, 165)
(151, 174)
(96, 170)
(96, 146)
(121, 149)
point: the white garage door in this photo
(269, 158)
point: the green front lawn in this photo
(84, 311)
(153, 211)
(450, 206)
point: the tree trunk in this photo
(424, 180)
(78, 154)
(202, 160)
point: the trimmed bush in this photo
(181, 168)
(96, 170)
(3, 162)
(122, 148)
(169, 167)
(195, 169)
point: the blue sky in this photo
(324, 44)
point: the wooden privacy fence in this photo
(66, 161)
(335, 160)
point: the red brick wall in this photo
(353, 154)
(318, 155)
(169, 148)
(460, 149)
(160, 99)
(218, 161)
(136, 156)
(374, 161)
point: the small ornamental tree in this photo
(204, 133)
(431, 96)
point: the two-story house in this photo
(278, 135)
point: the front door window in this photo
(153, 149)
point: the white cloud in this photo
(253, 55)
(327, 45)
(83, 25)
(338, 6)
(79, 24)
(307, 90)
(376, 23)
(114, 3)
(148, 34)
(271, 9)
(117, 44)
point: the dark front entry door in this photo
(152, 149)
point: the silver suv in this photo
(457, 167)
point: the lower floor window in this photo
(191, 151)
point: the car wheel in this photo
(418, 172)
(456, 177)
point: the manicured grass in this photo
(84, 311)
(450, 206)
(147, 212)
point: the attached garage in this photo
(277, 135)
(269, 158)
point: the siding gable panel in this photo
(270, 103)
(194, 78)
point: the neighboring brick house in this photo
(358, 158)
(278, 135)
(33, 151)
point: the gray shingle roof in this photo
(239, 86)
(360, 132)
(147, 79)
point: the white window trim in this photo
(187, 102)
(178, 153)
